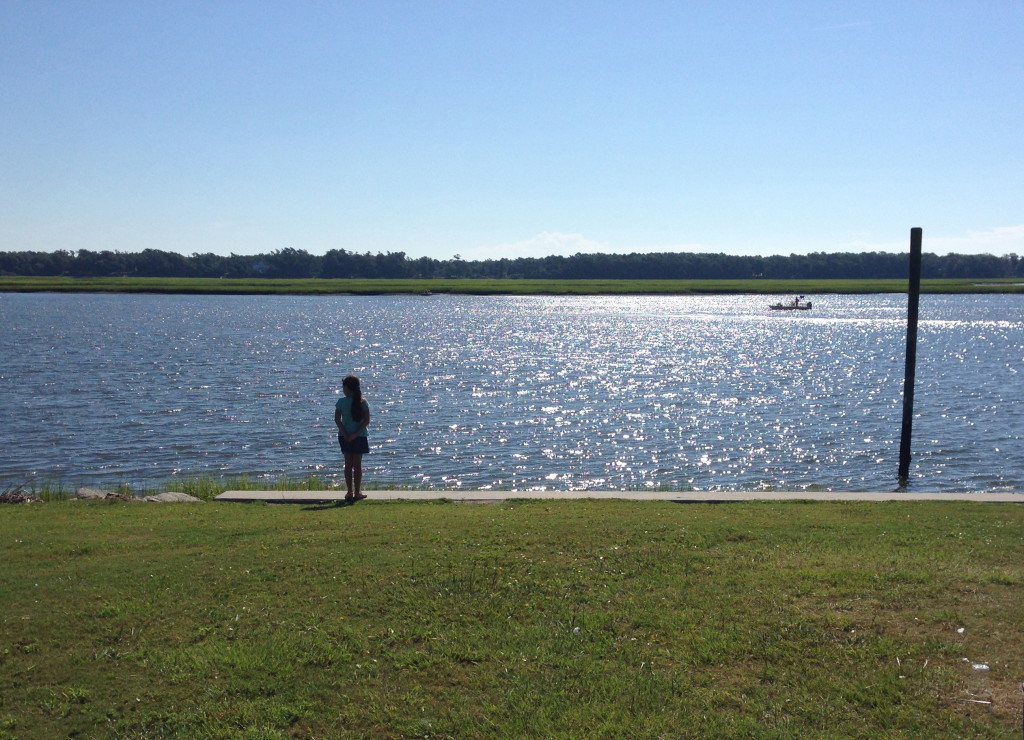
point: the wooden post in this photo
(913, 299)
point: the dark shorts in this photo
(358, 446)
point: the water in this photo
(704, 393)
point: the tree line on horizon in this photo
(292, 263)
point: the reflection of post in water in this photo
(913, 299)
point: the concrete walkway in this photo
(695, 497)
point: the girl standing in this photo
(352, 415)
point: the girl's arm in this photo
(361, 427)
(337, 417)
(366, 422)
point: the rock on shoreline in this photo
(173, 497)
(99, 494)
(16, 496)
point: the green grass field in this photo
(495, 287)
(526, 620)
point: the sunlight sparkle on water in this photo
(576, 393)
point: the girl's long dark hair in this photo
(352, 383)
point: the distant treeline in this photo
(339, 263)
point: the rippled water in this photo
(707, 393)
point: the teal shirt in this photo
(344, 405)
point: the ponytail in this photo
(352, 383)
(357, 404)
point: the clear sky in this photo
(495, 128)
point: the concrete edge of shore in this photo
(701, 497)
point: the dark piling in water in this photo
(913, 300)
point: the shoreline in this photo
(224, 493)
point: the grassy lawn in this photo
(496, 287)
(539, 620)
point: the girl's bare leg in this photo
(357, 473)
(349, 466)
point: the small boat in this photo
(426, 292)
(797, 304)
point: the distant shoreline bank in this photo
(426, 288)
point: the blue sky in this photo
(492, 129)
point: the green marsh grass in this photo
(263, 286)
(550, 619)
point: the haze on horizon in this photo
(512, 129)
